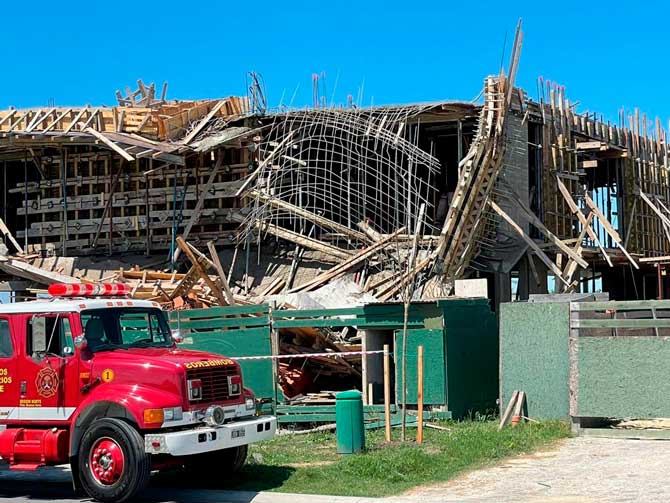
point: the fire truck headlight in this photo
(173, 414)
(250, 403)
(215, 415)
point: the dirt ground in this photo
(581, 469)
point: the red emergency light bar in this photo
(88, 290)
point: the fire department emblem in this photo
(46, 382)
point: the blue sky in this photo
(74, 53)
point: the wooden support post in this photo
(203, 122)
(575, 210)
(201, 270)
(609, 229)
(200, 205)
(387, 392)
(557, 272)
(109, 143)
(419, 394)
(507, 415)
(518, 408)
(8, 235)
(222, 276)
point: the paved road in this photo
(53, 485)
(578, 470)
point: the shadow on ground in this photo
(49, 484)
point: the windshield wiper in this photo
(141, 344)
(106, 347)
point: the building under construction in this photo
(222, 201)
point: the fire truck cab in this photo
(100, 383)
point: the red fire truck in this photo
(96, 380)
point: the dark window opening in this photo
(6, 346)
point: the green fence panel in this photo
(623, 377)
(434, 383)
(534, 356)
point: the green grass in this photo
(309, 464)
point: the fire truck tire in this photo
(113, 466)
(224, 461)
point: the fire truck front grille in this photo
(214, 382)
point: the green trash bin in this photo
(349, 422)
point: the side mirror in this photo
(177, 337)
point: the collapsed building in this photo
(504, 189)
(222, 202)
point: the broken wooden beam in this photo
(609, 229)
(308, 215)
(201, 270)
(348, 264)
(203, 122)
(576, 211)
(222, 275)
(28, 271)
(8, 235)
(538, 251)
(109, 144)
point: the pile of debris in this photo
(303, 378)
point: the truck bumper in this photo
(211, 438)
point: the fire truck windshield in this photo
(125, 327)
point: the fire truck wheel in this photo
(224, 461)
(112, 463)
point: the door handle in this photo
(24, 388)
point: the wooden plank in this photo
(550, 235)
(575, 209)
(591, 163)
(571, 268)
(348, 264)
(76, 119)
(538, 251)
(312, 217)
(264, 163)
(31, 272)
(221, 273)
(533, 269)
(621, 305)
(8, 117)
(56, 121)
(590, 145)
(94, 114)
(198, 207)
(194, 132)
(507, 415)
(36, 122)
(419, 394)
(622, 323)
(304, 241)
(110, 144)
(646, 199)
(663, 258)
(6, 233)
(609, 229)
(200, 270)
(518, 408)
